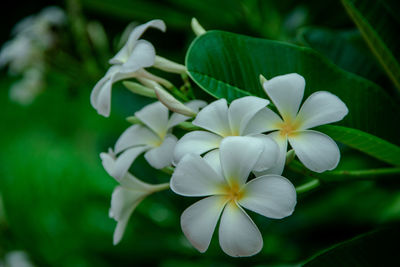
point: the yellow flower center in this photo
(288, 128)
(233, 191)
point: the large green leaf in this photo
(379, 248)
(346, 49)
(379, 24)
(367, 143)
(228, 65)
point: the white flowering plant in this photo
(268, 132)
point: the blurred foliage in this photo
(56, 195)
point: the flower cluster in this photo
(25, 52)
(233, 155)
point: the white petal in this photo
(125, 160)
(321, 108)
(123, 54)
(160, 157)
(242, 110)
(199, 220)
(238, 235)
(270, 154)
(197, 142)
(195, 177)
(100, 97)
(136, 135)
(142, 56)
(315, 150)
(263, 121)
(239, 155)
(214, 118)
(270, 195)
(281, 141)
(123, 202)
(286, 92)
(154, 116)
(176, 118)
(214, 161)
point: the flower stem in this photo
(168, 170)
(160, 187)
(311, 185)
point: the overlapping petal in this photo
(136, 135)
(321, 108)
(214, 118)
(123, 203)
(270, 154)
(193, 176)
(317, 151)
(161, 156)
(199, 220)
(197, 142)
(125, 51)
(242, 110)
(125, 160)
(239, 155)
(264, 120)
(271, 195)
(177, 118)
(238, 235)
(141, 57)
(286, 92)
(154, 116)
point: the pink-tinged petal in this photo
(197, 142)
(136, 135)
(238, 235)
(242, 110)
(263, 121)
(270, 195)
(199, 220)
(321, 108)
(286, 92)
(160, 157)
(154, 116)
(214, 118)
(193, 176)
(126, 50)
(317, 151)
(239, 155)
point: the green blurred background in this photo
(56, 195)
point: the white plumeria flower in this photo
(315, 150)
(127, 63)
(154, 137)
(222, 175)
(32, 84)
(127, 196)
(222, 122)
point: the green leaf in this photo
(346, 49)
(379, 248)
(228, 65)
(379, 25)
(367, 143)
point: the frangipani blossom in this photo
(127, 63)
(153, 137)
(127, 196)
(222, 175)
(222, 122)
(315, 150)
